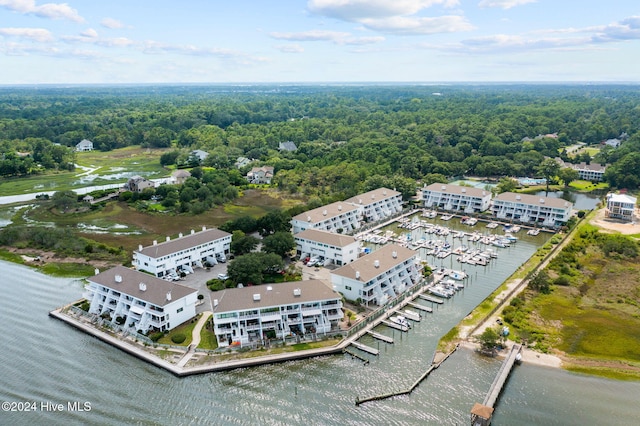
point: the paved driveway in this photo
(198, 280)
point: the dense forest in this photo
(349, 138)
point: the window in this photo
(179, 310)
(347, 287)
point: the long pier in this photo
(420, 307)
(365, 348)
(481, 413)
(379, 336)
(432, 299)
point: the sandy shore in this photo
(529, 356)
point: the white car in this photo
(223, 277)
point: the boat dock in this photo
(420, 307)
(481, 413)
(431, 299)
(379, 336)
(365, 348)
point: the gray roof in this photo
(534, 200)
(366, 264)
(287, 146)
(325, 212)
(457, 189)
(239, 299)
(373, 196)
(336, 240)
(156, 288)
(182, 243)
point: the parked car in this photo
(223, 277)
(221, 257)
(313, 261)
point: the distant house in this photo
(259, 175)
(84, 145)
(199, 154)
(242, 161)
(621, 206)
(287, 146)
(613, 142)
(593, 172)
(139, 184)
(87, 199)
(179, 176)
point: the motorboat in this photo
(400, 320)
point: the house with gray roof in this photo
(532, 209)
(84, 145)
(287, 146)
(331, 248)
(183, 253)
(139, 302)
(244, 316)
(340, 217)
(379, 276)
(456, 198)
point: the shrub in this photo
(200, 296)
(156, 336)
(119, 320)
(178, 338)
(562, 280)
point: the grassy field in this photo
(587, 186)
(108, 166)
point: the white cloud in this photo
(47, 10)
(355, 10)
(111, 23)
(290, 48)
(336, 37)
(504, 4)
(90, 33)
(35, 34)
(418, 26)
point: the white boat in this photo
(533, 232)
(511, 238)
(400, 320)
(492, 225)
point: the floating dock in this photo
(379, 336)
(420, 307)
(432, 299)
(365, 348)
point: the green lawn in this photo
(186, 329)
(587, 186)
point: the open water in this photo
(46, 361)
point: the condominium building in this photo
(377, 204)
(337, 217)
(378, 276)
(242, 316)
(333, 248)
(532, 209)
(621, 206)
(139, 302)
(182, 253)
(593, 172)
(456, 198)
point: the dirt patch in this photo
(615, 225)
(40, 258)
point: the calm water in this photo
(47, 360)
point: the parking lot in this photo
(198, 280)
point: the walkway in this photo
(195, 338)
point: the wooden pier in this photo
(356, 356)
(379, 336)
(365, 348)
(432, 299)
(481, 413)
(420, 307)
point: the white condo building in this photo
(333, 248)
(621, 206)
(379, 276)
(184, 252)
(456, 198)
(245, 315)
(532, 209)
(377, 204)
(139, 301)
(339, 217)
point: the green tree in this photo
(548, 169)
(242, 243)
(64, 200)
(489, 338)
(250, 268)
(506, 184)
(279, 243)
(274, 221)
(568, 175)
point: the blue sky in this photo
(192, 41)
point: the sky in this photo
(278, 41)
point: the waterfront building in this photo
(621, 206)
(377, 204)
(593, 172)
(84, 145)
(333, 248)
(242, 316)
(456, 198)
(337, 217)
(138, 301)
(182, 253)
(378, 276)
(532, 209)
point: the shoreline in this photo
(529, 356)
